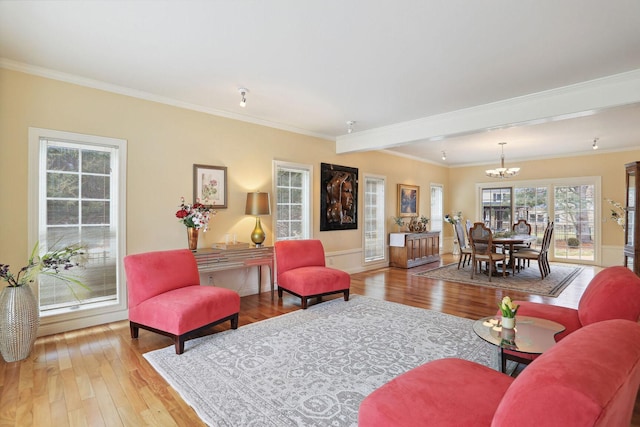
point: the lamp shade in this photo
(258, 204)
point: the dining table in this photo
(509, 242)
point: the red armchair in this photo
(589, 378)
(302, 271)
(165, 296)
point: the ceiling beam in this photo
(567, 102)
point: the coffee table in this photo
(532, 335)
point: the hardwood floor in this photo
(98, 376)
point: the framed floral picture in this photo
(408, 200)
(210, 185)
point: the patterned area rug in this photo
(527, 280)
(312, 367)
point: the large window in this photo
(571, 203)
(293, 200)
(374, 222)
(496, 208)
(79, 183)
(574, 227)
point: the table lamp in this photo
(258, 204)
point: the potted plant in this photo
(509, 310)
(19, 314)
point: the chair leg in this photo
(490, 270)
(279, 292)
(134, 330)
(234, 321)
(346, 294)
(459, 261)
(541, 267)
(179, 343)
(304, 303)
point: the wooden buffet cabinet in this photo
(632, 220)
(408, 250)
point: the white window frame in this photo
(56, 321)
(380, 218)
(307, 218)
(596, 181)
(441, 213)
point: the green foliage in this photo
(573, 242)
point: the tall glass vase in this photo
(19, 321)
(192, 238)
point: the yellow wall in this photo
(165, 141)
(609, 166)
(163, 144)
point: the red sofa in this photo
(590, 378)
(302, 271)
(165, 296)
(613, 293)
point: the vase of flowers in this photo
(399, 222)
(19, 313)
(618, 212)
(194, 217)
(508, 310)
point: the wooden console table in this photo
(412, 249)
(211, 260)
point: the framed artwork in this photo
(408, 200)
(338, 197)
(210, 185)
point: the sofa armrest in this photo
(445, 392)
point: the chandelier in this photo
(502, 172)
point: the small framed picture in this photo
(210, 185)
(408, 200)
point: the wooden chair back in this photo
(522, 227)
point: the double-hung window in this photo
(293, 200)
(374, 219)
(77, 197)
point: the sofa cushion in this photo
(445, 392)
(316, 280)
(185, 309)
(589, 379)
(614, 293)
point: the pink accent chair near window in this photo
(589, 378)
(165, 296)
(302, 271)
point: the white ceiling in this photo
(311, 66)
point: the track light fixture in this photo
(444, 155)
(595, 143)
(350, 124)
(243, 93)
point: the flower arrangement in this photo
(398, 221)
(618, 212)
(195, 216)
(51, 263)
(508, 308)
(453, 218)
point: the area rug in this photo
(312, 367)
(527, 280)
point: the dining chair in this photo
(481, 239)
(542, 255)
(522, 227)
(465, 249)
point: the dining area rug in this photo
(312, 367)
(526, 280)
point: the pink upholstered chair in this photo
(613, 293)
(165, 296)
(302, 271)
(588, 379)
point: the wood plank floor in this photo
(98, 376)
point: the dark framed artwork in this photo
(408, 200)
(210, 185)
(338, 197)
